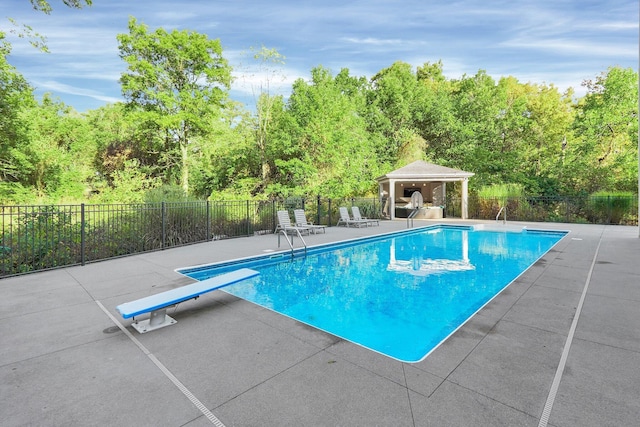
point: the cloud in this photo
(614, 26)
(575, 47)
(559, 42)
(61, 88)
(253, 81)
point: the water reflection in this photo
(417, 265)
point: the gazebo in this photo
(397, 190)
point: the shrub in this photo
(610, 207)
(494, 197)
(40, 238)
(166, 193)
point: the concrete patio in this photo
(68, 359)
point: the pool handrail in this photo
(290, 242)
(412, 215)
(504, 220)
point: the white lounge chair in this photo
(301, 221)
(347, 221)
(356, 216)
(284, 223)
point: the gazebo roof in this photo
(421, 170)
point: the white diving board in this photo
(157, 304)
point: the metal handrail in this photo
(412, 215)
(504, 220)
(283, 231)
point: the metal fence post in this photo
(82, 235)
(274, 223)
(164, 225)
(329, 213)
(208, 221)
(319, 206)
(248, 220)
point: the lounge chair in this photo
(356, 216)
(301, 221)
(347, 221)
(284, 223)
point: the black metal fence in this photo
(585, 210)
(37, 238)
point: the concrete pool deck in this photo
(67, 357)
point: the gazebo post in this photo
(392, 198)
(465, 198)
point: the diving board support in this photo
(156, 305)
(157, 319)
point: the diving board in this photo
(157, 304)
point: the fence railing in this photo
(588, 210)
(38, 238)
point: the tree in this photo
(397, 102)
(55, 157)
(229, 164)
(325, 147)
(479, 138)
(177, 83)
(439, 124)
(543, 132)
(16, 95)
(606, 128)
(266, 104)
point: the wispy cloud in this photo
(252, 82)
(576, 47)
(372, 41)
(61, 88)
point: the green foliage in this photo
(324, 146)
(16, 193)
(16, 97)
(45, 6)
(501, 191)
(176, 83)
(166, 193)
(397, 102)
(605, 155)
(333, 136)
(129, 185)
(610, 207)
(497, 196)
(40, 238)
(27, 32)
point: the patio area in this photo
(559, 347)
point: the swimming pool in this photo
(400, 294)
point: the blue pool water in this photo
(400, 294)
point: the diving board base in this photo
(158, 319)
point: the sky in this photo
(558, 42)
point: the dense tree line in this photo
(180, 132)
